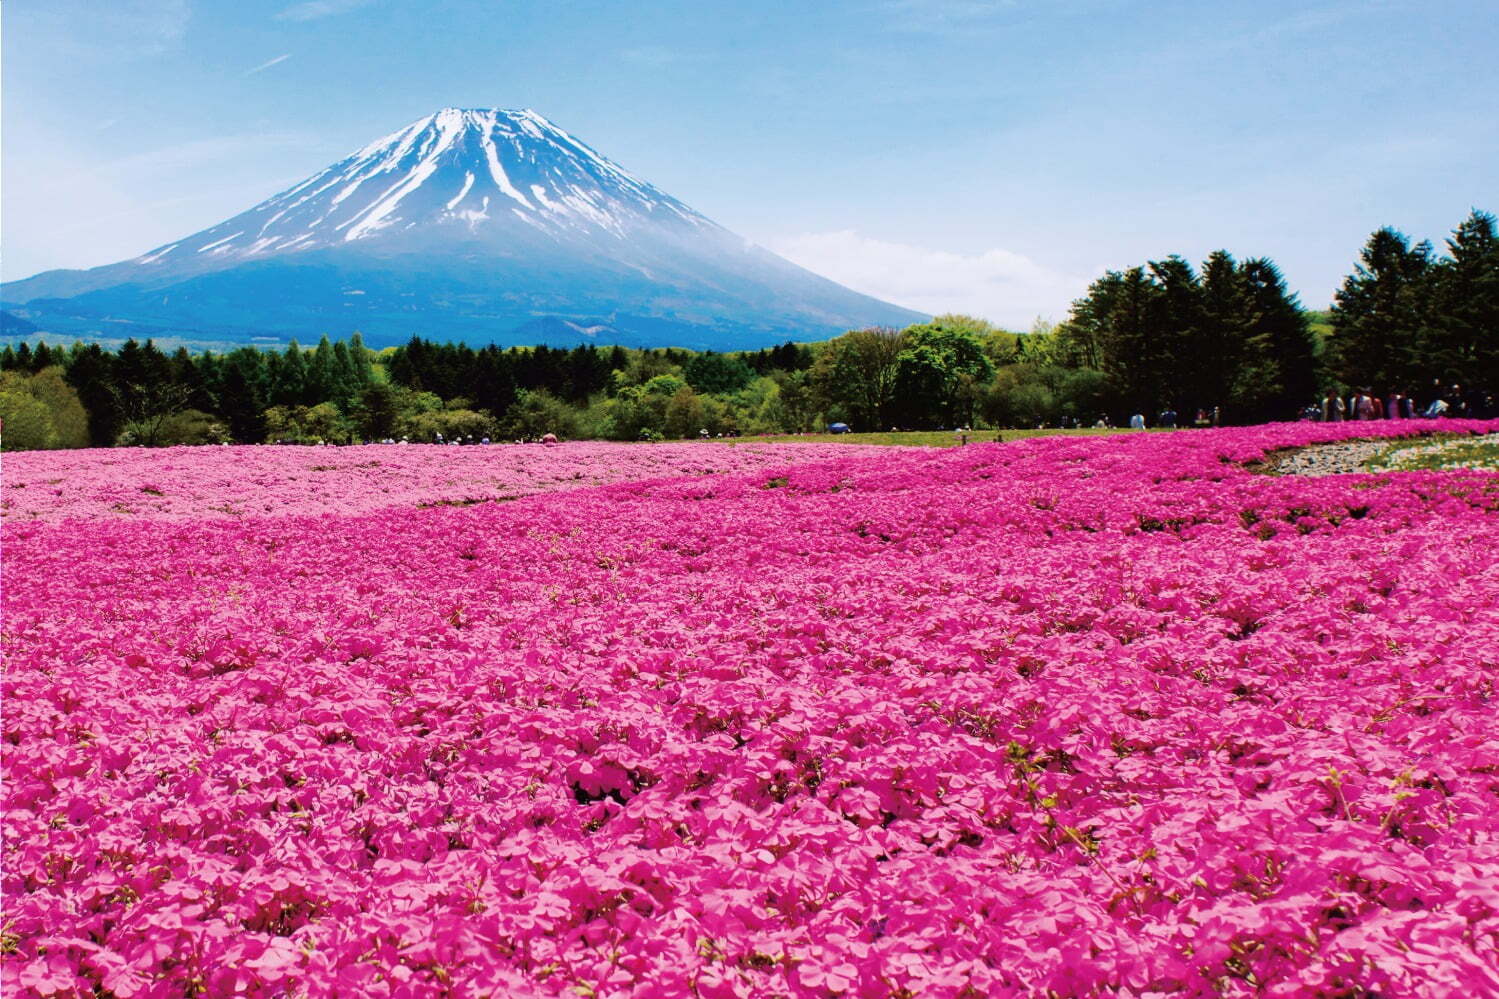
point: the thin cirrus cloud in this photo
(267, 64)
(121, 29)
(999, 285)
(312, 10)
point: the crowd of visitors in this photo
(1438, 401)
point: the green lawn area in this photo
(1438, 453)
(930, 438)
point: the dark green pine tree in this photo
(186, 372)
(1462, 342)
(1130, 340)
(1379, 313)
(291, 384)
(345, 379)
(7, 358)
(359, 358)
(618, 359)
(1278, 374)
(409, 365)
(91, 373)
(1221, 347)
(1177, 321)
(322, 374)
(495, 384)
(242, 393)
(43, 357)
(1086, 339)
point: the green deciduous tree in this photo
(855, 375)
(41, 411)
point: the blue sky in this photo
(988, 156)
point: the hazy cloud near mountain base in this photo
(999, 285)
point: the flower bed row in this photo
(1085, 716)
(192, 483)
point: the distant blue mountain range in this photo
(476, 226)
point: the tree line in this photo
(1228, 338)
(1231, 337)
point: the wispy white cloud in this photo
(120, 28)
(999, 285)
(311, 10)
(267, 64)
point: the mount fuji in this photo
(473, 225)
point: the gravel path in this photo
(1349, 456)
(1324, 459)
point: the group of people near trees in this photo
(1438, 402)
(1228, 341)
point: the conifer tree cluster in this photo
(1407, 318)
(1231, 338)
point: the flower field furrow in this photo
(1090, 716)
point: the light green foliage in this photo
(666, 385)
(643, 366)
(685, 414)
(854, 376)
(41, 411)
(28, 424)
(192, 426)
(795, 402)
(538, 413)
(940, 373)
(454, 424)
(322, 423)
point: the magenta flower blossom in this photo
(1081, 716)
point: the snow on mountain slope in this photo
(472, 224)
(479, 172)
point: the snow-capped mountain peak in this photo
(482, 171)
(481, 225)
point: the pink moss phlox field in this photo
(1104, 716)
(190, 483)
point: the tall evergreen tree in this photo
(1463, 327)
(90, 372)
(1131, 352)
(1219, 350)
(42, 357)
(1084, 339)
(1379, 312)
(1176, 323)
(291, 386)
(359, 356)
(242, 393)
(1278, 373)
(322, 374)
